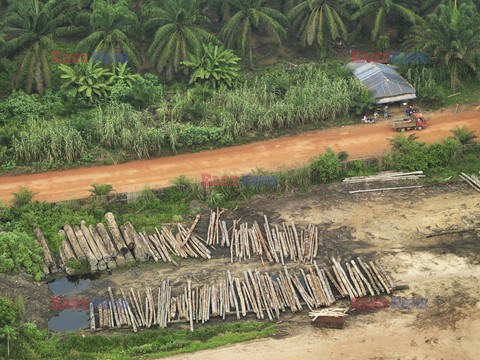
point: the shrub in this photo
(20, 105)
(19, 251)
(22, 197)
(325, 168)
(101, 189)
(464, 135)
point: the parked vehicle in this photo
(414, 122)
(366, 120)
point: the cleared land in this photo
(359, 141)
(389, 227)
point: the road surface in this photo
(359, 141)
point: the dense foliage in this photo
(77, 119)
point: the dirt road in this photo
(359, 141)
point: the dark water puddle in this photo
(65, 287)
(70, 319)
(70, 285)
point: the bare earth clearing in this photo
(359, 141)
(389, 227)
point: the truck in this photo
(416, 121)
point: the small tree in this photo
(326, 168)
(9, 333)
(464, 135)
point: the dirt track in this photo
(359, 141)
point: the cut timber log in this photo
(90, 241)
(100, 245)
(92, 260)
(67, 249)
(386, 189)
(72, 238)
(47, 255)
(107, 241)
(118, 240)
(131, 237)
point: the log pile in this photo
(385, 176)
(260, 294)
(279, 243)
(472, 180)
(275, 243)
(108, 247)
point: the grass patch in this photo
(143, 345)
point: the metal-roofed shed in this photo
(385, 83)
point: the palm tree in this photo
(31, 28)
(380, 10)
(10, 333)
(451, 35)
(178, 32)
(252, 15)
(429, 6)
(112, 26)
(315, 20)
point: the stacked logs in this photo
(276, 243)
(257, 293)
(108, 247)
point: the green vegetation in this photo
(170, 95)
(214, 66)
(33, 343)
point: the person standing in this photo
(457, 108)
(385, 112)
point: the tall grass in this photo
(52, 141)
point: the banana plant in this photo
(215, 66)
(122, 73)
(87, 79)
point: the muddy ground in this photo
(390, 227)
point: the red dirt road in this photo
(359, 141)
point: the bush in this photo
(20, 105)
(325, 168)
(19, 251)
(22, 197)
(101, 189)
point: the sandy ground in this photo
(444, 269)
(359, 141)
(389, 227)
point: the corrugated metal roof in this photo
(382, 80)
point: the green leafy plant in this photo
(326, 168)
(101, 189)
(20, 251)
(122, 73)
(214, 65)
(89, 80)
(464, 135)
(22, 197)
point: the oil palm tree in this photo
(250, 16)
(380, 10)
(451, 35)
(316, 20)
(31, 28)
(178, 32)
(112, 26)
(428, 6)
